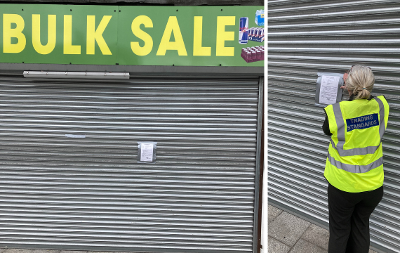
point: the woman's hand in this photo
(345, 76)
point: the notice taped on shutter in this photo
(147, 152)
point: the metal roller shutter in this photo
(310, 36)
(90, 193)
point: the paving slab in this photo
(17, 251)
(287, 228)
(73, 251)
(275, 246)
(45, 251)
(317, 235)
(273, 212)
(303, 246)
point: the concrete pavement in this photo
(288, 233)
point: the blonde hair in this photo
(361, 81)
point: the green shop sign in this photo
(132, 35)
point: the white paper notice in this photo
(146, 152)
(329, 89)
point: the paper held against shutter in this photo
(328, 89)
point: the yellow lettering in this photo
(9, 33)
(51, 34)
(165, 44)
(148, 41)
(198, 49)
(96, 35)
(223, 36)
(68, 47)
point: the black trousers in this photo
(349, 219)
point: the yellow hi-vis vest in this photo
(354, 162)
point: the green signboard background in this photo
(134, 35)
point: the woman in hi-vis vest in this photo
(354, 166)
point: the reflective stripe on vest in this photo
(355, 168)
(341, 132)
